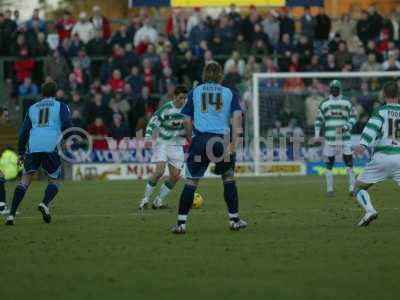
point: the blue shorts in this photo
(198, 158)
(50, 163)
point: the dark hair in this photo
(213, 73)
(391, 90)
(180, 89)
(49, 89)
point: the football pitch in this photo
(299, 244)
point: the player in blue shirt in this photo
(209, 109)
(37, 146)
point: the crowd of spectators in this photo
(114, 80)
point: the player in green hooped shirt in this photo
(336, 116)
(168, 150)
(382, 134)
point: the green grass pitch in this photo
(299, 245)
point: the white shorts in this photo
(171, 154)
(333, 150)
(381, 167)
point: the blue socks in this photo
(230, 195)
(2, 193)
(232, 200)
(19, 194)
(50, 193)
(185, 203)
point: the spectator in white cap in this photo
(83, 28)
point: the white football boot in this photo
(144, 203)
(241, 224)
(4, 210)
(45, 211)
(10, 220)
(368, 218)
(179, 229)
(158, 204)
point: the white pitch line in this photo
(167, 213)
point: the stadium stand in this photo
(114, 80)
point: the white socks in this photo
(329, 180)
(365, 201)
(164, 191)
(148, 191)
(351, 179)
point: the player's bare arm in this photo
(360, 149)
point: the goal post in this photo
(269, 90)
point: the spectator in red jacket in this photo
(148, 75)
(79, 72)
(64, 26)
(383, 44)
(169, 24)
(23, 66)
(100, 22)
(165, 61)
(99, 132)
(176, 22)
(116, 82)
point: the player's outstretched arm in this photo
(24, 135)
(65, 117)
(352, 119)
(154, 123)
(360, 149)
(372, 129)
(188, 112)
(188, 125)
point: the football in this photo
(197, 201)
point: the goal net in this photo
(279, 118)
